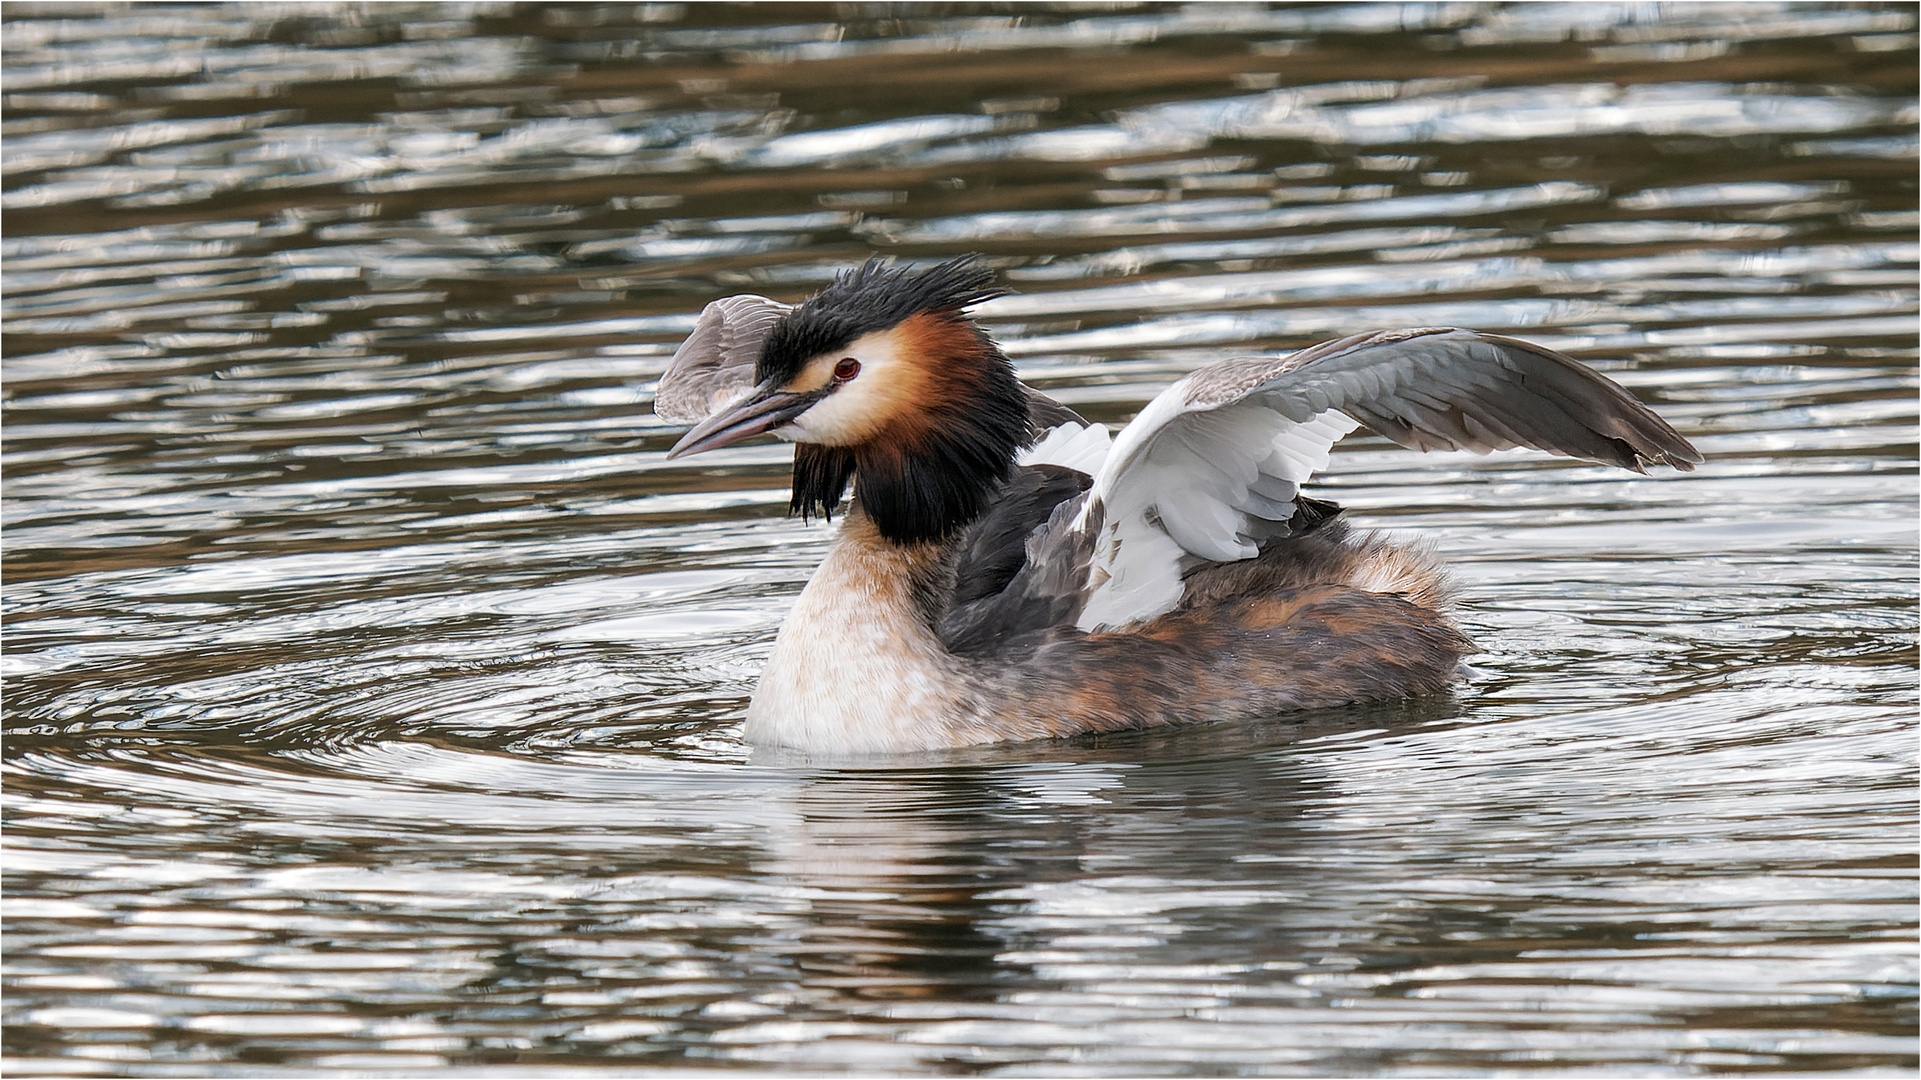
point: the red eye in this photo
(846, 369)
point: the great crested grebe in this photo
(1007, 572)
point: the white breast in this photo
(855, 670)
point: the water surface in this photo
(374, 684)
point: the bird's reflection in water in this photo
(945, 877)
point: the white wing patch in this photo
(1185, 484)
(1136, 575)
(1082, 448)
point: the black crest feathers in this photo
(874, 297)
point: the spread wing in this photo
(1209, 471)
(715, 364)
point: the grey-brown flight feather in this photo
(715, 364)
(1440, 388)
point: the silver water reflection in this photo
(374, 682)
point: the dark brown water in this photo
(374, 685)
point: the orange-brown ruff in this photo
(1005, 573)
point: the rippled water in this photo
(374, 685)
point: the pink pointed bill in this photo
(764, 411)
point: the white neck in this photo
(856, 668)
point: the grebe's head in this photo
(884, 378)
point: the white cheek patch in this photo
(856, 409)
(839, 418)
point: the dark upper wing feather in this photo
(1044, 412)
(1002, 588)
